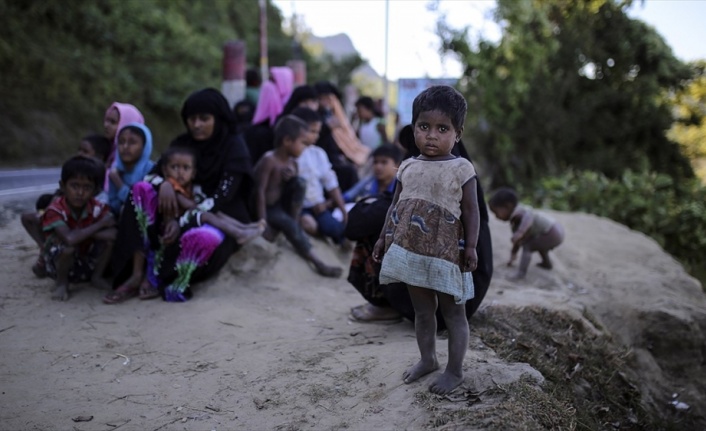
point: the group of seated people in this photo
(156, 227)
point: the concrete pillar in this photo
(233, 87)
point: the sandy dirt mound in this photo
(268, 344)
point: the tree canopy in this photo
(569, 84)
(63, 63)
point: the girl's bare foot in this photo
(420, 369)
(445, 383)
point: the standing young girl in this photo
(429, 241)
(133, 163)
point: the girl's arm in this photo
(470, 217)
(379, 248)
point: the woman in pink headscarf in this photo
(283, 77)
(274, 94)
(260, 136)
(117, 116)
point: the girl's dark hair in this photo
(442, 98)
(391, 151)
(504, 196)
(290, 127)
(81, 166)
(369, 103)
(308, 115)
(136, 130)
(174, 150)
(100, 145)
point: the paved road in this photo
(27, 184)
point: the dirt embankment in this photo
(612, 338)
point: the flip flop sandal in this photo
(121, 294)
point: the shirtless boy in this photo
(280, 191)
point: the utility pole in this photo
(385, 97)
(263, 41)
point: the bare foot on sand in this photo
(420, 369)
(546, 264)
(127, 290)
(328, 271)
(445, 383)
(60, 292)
(371, 313)
(270, 234)
(250, 233)
(39, 268)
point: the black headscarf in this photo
(301, 93)
(326, 87)
(221, 152)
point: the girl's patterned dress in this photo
(424, 237)
(196, 245)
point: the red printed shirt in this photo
(58, 213)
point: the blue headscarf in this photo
(117, 197)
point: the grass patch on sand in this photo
(588, 379)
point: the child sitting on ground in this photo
(179, 168)
(93, 145)
(386, 159)
(280, 191)
(132, 164)
(314, 167)
(531, 231)
(79, 230)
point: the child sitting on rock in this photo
(531, 231)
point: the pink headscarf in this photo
(283, 77)
(128, 114)
(269, 105)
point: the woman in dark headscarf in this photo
(224, 172)
(391, 301)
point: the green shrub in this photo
(672, 213)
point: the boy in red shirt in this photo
(79, 230)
